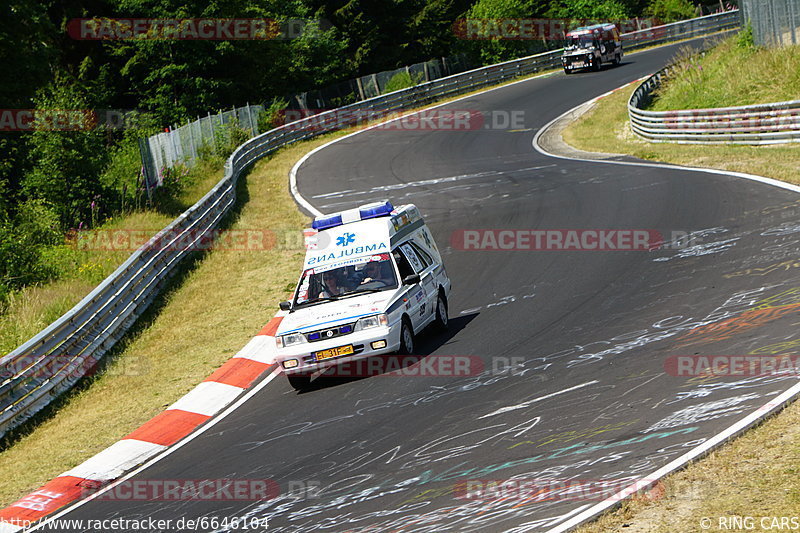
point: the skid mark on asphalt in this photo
(531, 402)
(426, 183)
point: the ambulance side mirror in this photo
(411, 279)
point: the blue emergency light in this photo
(373, 210)
(327, 221)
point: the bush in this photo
(38, 222)
(66, 165)
(745, 38)
(402, 80)
(227, 137)
(23, 241)
(174, 182)
(671, 10)
(122, 177)
(272, 115)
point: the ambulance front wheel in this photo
(441, 313)
(406, 338)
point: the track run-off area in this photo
(585, 368)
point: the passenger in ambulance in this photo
(379, 271)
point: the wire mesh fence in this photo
(774, 22)
(186, 143)
(373, 85)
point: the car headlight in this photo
(284, 341)
(372, 322)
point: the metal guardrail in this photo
(52, 361)
(773, 123)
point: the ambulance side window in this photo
(427, 260)
(417, 263)
(403, 265)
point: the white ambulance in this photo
(372, 279)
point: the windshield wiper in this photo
(361, 291)
(317, 300)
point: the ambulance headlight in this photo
(372, 322)
(292, 339)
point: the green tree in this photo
(180, 79)
(22, 242)
(486, 43)
(670, 10)
(26, 53)
(605, 10)
(67, 161)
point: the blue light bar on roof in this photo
(327, 221)
(373, 210)
(377, 209)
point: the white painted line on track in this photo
(208, 425)
(645, 482)
(529, 402)
(293, 173)
(718, 439)
(743, 175)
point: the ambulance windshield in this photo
(348, 278)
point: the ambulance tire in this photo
(441, 321)
(406, 338)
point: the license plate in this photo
(578, 64)
(334, 352)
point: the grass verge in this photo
(605, 128)
(733, 73)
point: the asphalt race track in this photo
(573, 352)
